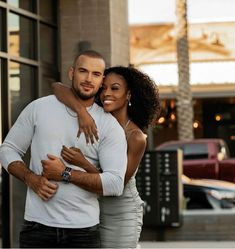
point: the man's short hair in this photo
(89, 53)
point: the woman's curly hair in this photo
(145, 103)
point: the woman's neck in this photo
(122, 118)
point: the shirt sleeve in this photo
(19, 138)
(113, 161)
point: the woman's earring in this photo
(129, 99)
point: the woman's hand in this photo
(73, 156)
(88, 126)
(67, 95)
(52, 168)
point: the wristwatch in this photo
(66, 174)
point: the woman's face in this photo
(114, 95)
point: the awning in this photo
(208, 79)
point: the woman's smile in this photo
(114, 93)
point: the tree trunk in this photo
(184, 95)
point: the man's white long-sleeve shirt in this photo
(46, 124)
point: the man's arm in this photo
(15, 146)
(113, 161)
(54, 167)
(88, 181)
(39, 184)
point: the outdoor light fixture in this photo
(161, 120)
(218, 117)
(196, 124)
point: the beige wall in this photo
(101, 23)
(119, 33)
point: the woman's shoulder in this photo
(136, 141)
(135, 135)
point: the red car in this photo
(204, 158)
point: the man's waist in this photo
(64, 209)
(54, 225)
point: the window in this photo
(190, 151)
(29, 5)
(2, 30)
(3, 90)
(21, 87)
(22, 36)
(195, 151)
(26, 26)
(47, 44)
(48, 10)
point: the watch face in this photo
(66, 175)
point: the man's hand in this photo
(52, 168)
(41, 186)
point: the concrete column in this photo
(119, 27)
(101, 25)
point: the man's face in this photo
(87, 76)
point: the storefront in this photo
(212, 78)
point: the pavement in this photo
(186, 244)
(181, 244)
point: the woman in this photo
(132, 98)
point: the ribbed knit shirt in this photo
(46, 125)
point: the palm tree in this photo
(184, 95)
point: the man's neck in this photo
(85, 103)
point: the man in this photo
(61, 214)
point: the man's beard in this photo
(81, 95)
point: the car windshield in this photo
(190, 151)
(195, 151)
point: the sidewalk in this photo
(187, 244)
(181, 244)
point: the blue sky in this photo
(158, 11)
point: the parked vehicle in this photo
(204, 158)
(208, 194)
